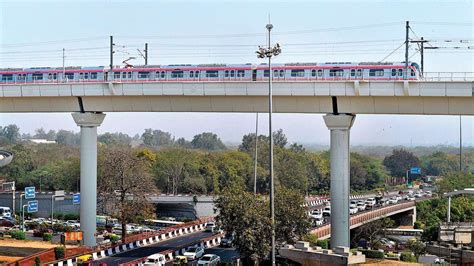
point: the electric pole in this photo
(111, 57)
(255, 158)
(460, 143)
(146, 53)
(407, 27)
(421, 43)
(64, 67)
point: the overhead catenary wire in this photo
(395, 50)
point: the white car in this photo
(209, 259)
(156, 259)
(318, 221)
(361, 206)
(316, 214)
(210, 227)
(193, 253)
(411, 198)
(73, 223)
(399, 198)
(353, 209)
(327, 211)
(370, 202)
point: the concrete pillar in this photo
(88, 209)
(340, 177)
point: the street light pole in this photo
(269, 52)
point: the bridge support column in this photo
(340, 177)
(88, 209)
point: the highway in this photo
(154, 248)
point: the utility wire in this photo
(392, 52)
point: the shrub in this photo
(58, 215)
(407, 257)
(71, 216)
(323, 243)
(47, 237)
(311, 238)
(114, 238)
(418, 225)
(18, 234)
(37, 261)
(374, 254)
(59, 253)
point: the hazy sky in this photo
(33, 33)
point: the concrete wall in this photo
(44, 204)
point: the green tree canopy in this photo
(400, 161)
(207, 141)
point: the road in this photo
(154, 248)
(226, 254)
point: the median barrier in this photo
(133, 241)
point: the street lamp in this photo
(269, 52)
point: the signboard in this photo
(59, 195)
(8, 186)
(32, 206)
(415, 170)
(71, 236)
(76, 198)
(29, 192)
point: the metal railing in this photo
(448, 76)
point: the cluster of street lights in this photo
(270, 52)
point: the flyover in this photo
(340, 100)
(455, 193)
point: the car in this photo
(209, 259)
(73, 223)
(428, 193)
(327, 211)
(353, 209)
(361, 206)
(439, 261)
(318, 221)
(316, 214)
(193, 253)
(5, 222)
(370, 201)
(411, 198)
(180, 260)
(228, 240)
(156, 259)
(84, 258)
(398, 197)
(210, 227)
(418, 195)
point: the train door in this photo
(254, 74)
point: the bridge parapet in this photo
(357, 220)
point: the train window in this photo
(37, 76)
(400, 72)
(177, 74)
(163, 75)
(20, 77)
(275, 73)
(297, 73)
(232, 73)
(55, 75)
(196, 74)
(212, 73)
(143, 75)
(353, 72)
(86, 75)
(412, 72)
(320, 72)
(50, 76)
(282, 73)
(7, 77)
(226, 73)
(129, 75)
(70, 75)
(191, 74)
(376, 72)
(116, 75)
(266, 73)
(336, 73)
(359, 72)
(94, 75)
(240, 73)
(81, 76)
(313, 73)
(394, 72)
(124, 75)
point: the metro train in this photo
(214, 72)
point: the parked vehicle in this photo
(5, 222)
(370, 202)
(5, 212)
(318, 221)
(73, 223)
(361, 206)
(156, 259)
(316, 214)
(193, 253)
(327, 211)
(180, 261)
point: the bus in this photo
(160, 224)
(5, 212)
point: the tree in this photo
(279, 138)
(170, 168)
(68, 138)
(207, 141)
(372, 231)
(400, 161)
(10, 133)
(115, 139)
(124, 181)
(417, 247)
(183, 143)
(440, 163)
(157, 138)
(248, 215)
(455, 180)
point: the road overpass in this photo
(340, 100)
